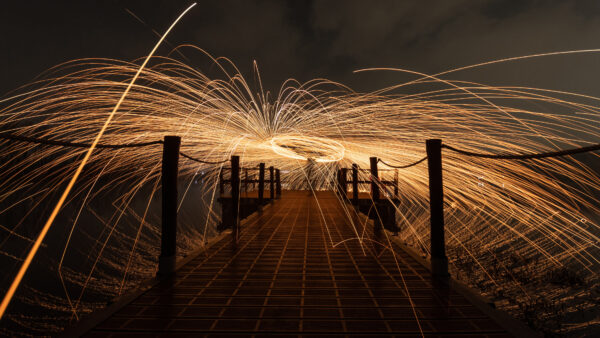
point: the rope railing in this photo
(257, 168)
(20, 138)
(403, 166)
(201, 161)
(594, 147)
(13, 137)
(369, 170)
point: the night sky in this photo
(310, 39)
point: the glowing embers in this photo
(302, 147)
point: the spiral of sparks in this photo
(541, 209)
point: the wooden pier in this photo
(299, 269)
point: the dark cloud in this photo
(433, 36)
(308, 39)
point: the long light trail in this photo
(539, 209)
(36, 245)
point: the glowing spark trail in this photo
(508, 221)
(15, 284)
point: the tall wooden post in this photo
(235, 197)
(221, 182)
(377, 221)
(344, 181)
(439, 261)
(396, 184)
(354, 183)
(261, 184)
(246, 181)
(374, 179)
(272, 182)
(278, 183)
(168, 243)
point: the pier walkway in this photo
(299, 270)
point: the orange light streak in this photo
(17, 280)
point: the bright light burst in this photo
(543, 210)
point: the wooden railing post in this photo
(344, 182)
(272, 182)
(168, 244)
(261, 184)
(235, 196)
(439, 261)
(278, 183)
(354, 183)
(374, 179)
(246, 181)
(221, 182)
(396, 184)
(377, 217)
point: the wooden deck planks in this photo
(299, 270)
